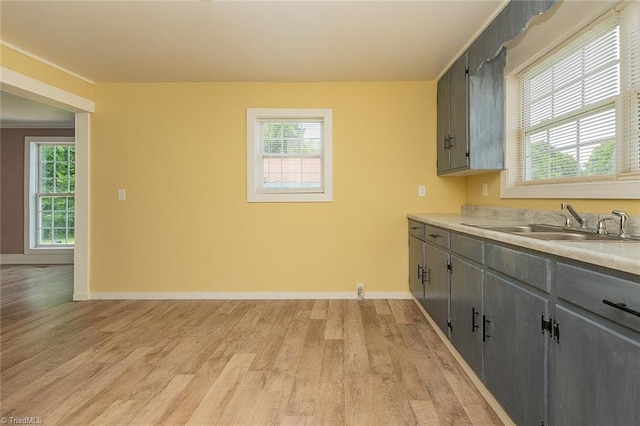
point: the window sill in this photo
(623, 189)
(50, 250)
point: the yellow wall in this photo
(30, 67)
(474, 196)
(179, 150)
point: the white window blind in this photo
(292, 155)
(629, 128)
(579, 106)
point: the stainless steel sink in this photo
(553, 233)
(521, 228)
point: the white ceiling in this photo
(191, 40)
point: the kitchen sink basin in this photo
(521, 228)
(553, 233)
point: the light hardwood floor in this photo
(207, 362)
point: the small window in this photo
(289, 155)
(51, 193)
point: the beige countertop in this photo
(621, 256)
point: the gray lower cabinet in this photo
(515, 357)
(437, 275)
(556, 342)
(597, 355)
(597, 374)
(416, 268)
(466, 311)
(437, 286)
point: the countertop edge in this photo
(594, 253)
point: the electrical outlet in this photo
(422, 191)
(360, 291)
(485, 189)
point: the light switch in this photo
(122, 194)
(422, 190)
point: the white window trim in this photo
(254, 158)
(530, 50)
(30, 189)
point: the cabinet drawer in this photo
(437, 236)
(528, 268)
(468, 247)
(416, 229)
(588, 289)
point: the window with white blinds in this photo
(580, 107)
(289, 155)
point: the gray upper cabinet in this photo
(471, 118)
(453, 130)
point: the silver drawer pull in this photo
(622, 307)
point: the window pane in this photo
(47, 170)
(47, 185)
(45, 236)
(272, 173)
(59, 203)
(60, 236)
(46, 153)
(46, 204)
(60, 220)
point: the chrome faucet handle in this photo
(567, 220)
(623, 222)
(602, 225)
(584, 224)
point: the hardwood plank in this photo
(359, 393)
(379, 360)
(330, 408)
(214, 402)
(398, 308)
(382, 307)
(116, 413)
(153, 411)
(425, 413)
(302, 400)
(319, 309)
(335, 320)
(355, 347)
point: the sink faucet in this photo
(623, 223)
(581, 220)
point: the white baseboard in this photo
(36, 259)
(238, 295)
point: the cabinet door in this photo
(515, 350)
(444, 110)
(466, 317)
(597, 374)
(437, 286)
(486, 115)
(458, 121)
(416, 268)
